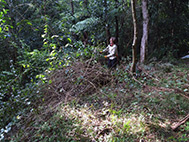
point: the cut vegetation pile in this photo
(75, 81)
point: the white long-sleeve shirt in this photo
(112, 50)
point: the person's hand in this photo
(105, 57)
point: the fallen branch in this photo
(134, 78)
(155, 78)
(182, 121)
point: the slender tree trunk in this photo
(86, 4)
(134, 59)
(117, 23)
(85, 34)
(144, 42)
(174, 29)
(13, 31)
(106, 24)
(85, 38)
(44, 7)
(73, 22)
(72, 7)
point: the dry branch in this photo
(134, 77)
(182, 121)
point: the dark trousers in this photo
(112, 63)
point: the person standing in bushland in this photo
(113, 53)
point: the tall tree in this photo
(72, 7)
(86, 4)
(144, 41)
(134, 58)
(116, 22)
(106, 23)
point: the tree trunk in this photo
(133, 67)
(13, 31)
(86, 4)
(117, 23)
(44, 7)
(144, 42)
(85, 38)
(72, 7)
(106, 24)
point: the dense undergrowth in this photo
(85, 101)
(20, 86)
(53, 88)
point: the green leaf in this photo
(24, 65)
(50, 81)
(29, 23)
(77, 54)
(40, 76)
(8, 73)
(69, 40)
(43, 35)
(5, 11)
(45, 43)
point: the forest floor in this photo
(88, 102)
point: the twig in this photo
(105, 95)
(88, 66)
(54, 90)
(134, 78)
(151, 76)
(90, 83)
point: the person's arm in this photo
(105, 50)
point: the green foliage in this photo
(20, 84)
(4, 21)
(19, 87)
(84, 52)
(85, 25)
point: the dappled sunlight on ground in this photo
(107, 123)
(118, 109)
(94, 122)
